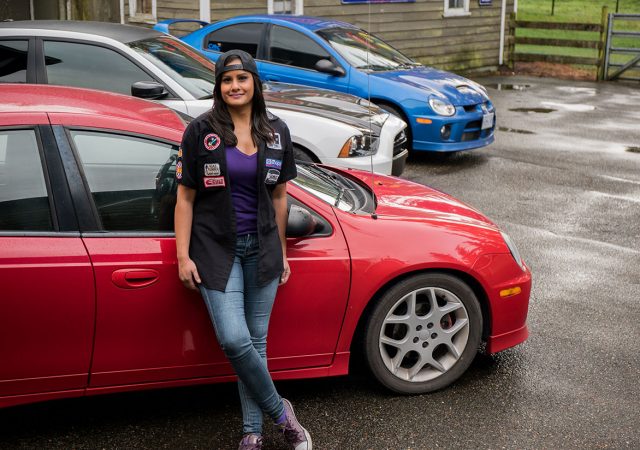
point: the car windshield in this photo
(325, 185)
(194, 72)
(363, 50)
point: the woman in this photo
(230, 221)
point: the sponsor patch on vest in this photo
(179, 170)
(276, 145)
(210, 182)
(272, 176)
(212, 170)
(211, 141)
(275, 163)
(179, 152)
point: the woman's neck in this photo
(241, 117)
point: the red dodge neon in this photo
(91, 301)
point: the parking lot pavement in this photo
(563, 179)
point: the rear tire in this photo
(423, 333)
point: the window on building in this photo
(245, 36)
(294, 49)
(144, 11)
(24, 202)
(295, 7)
(132, 180)
(90, 66)
(456, 8)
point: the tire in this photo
(436, 346)
(302, 155)
(396, 111)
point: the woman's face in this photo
(236, 86)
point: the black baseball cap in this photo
(246, 63)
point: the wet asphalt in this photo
(563, 179)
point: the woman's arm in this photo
(279, 197)
(187, 270)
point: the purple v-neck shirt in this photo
(243, 174)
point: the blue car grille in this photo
(472, 129)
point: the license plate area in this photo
(487, 120)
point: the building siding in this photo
(467, 43)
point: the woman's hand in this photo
(188, 274)
(286, 273)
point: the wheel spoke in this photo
(397, 360)
(454, 351)
(450, 307)
(459, 325)
(411, 305)
(433, 300)
(397, 319)
(417, 367)
(436, 364)
(392, 342)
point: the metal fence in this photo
(629, 70)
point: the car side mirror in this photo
(151, 90)
(300, 222)
(326, 66)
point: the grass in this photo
(576, 11)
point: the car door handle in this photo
(134, 278)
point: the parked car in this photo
(445, 112)
(325, 126)
(91, 302)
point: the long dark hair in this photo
(221, 121)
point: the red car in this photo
(91, 302)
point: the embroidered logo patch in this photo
(211, 141)
(179, 170)
(275, 163)
(212, 170)
(276, 145)
(272, 176)
(179, 152)
(210, 182)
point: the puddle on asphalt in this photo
(577, 90)
(533, 110)
(508, 87)
(514, 130)
(571, 106)
(633, 149)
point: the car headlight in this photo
(442, 107)
(365, 144)
(513, 249)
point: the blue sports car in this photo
(444, 112)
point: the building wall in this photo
(467, 43)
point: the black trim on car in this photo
(77, 187)
(60, 198)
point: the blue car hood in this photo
(459, 90)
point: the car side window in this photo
(132, 179)
(13, 61)
(24, 202)
(245, 36)
(90, 66)
(292, 48)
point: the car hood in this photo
(345, 108)
(459, 90)
(406, 200)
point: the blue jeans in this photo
(240, 317)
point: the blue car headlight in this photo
(513, 249)
(441, 106)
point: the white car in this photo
(326, 126)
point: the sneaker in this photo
(251, 442)
(297, 437)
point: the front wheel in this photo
(423, 333)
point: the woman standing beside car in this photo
(230, 223)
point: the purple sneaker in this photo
(297, 437)
(251, 442)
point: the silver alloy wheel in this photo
(424, 334)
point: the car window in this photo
(13, 61)
(132, 179)
(24, 203)
(244, 36)
(90, 66)
(292, 48)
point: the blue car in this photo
(444, 111)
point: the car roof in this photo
(35, 98)
(116, 31)
(308, 22)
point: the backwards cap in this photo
(246, 63)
